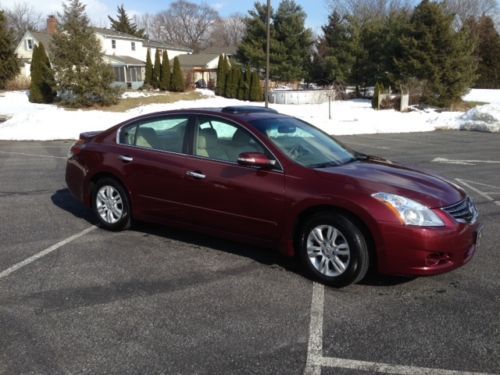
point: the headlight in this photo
(409, 211)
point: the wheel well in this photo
(98, 176)
(305, 215)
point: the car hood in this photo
(379, 175)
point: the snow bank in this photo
(483, 95)
(485, 118)
(28, 121)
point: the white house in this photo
(125, 53)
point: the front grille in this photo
(464, 211)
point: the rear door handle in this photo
(125, 158)
(197, 175)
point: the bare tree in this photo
(466, 9)
(364, 10)
(21, 18)
(186, 24)
(228, 31)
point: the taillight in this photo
(76, 148)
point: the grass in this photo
(464, 106)
(129, 103)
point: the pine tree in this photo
(165, 72)
(290, 46)
(123, 24)
(148, 79)
(248, 82)
(9, 63)
(242, 86)
(233, 82)
(221, 76)
(252, 49)
(437, 55)
(255, 88)
(379, 48)
(487, 52)
(337, 51)
(293, 42)
(227, 76)
(82, 77)
(42, 77)
(155, 79)
(177, 84)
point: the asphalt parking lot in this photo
(153, 300)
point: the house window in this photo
(113, 44)
(29, 44)
(119, 74)
(132, 45)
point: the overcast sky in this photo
(317, 11)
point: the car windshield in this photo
(303, 143)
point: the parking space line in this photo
(486, 195)
(33, 155)
(45, 252)
(366, 145)
(375, 367)
(315, 344)
(315, 360)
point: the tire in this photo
(111, 205)
(333, 249)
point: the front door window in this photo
(220, 140)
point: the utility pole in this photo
(268, 27)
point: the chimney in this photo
(52, 24)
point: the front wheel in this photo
(333, 249)
(111, 205)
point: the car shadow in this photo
(269, 257)
(374, 279)
(266, 256)
(63, 199)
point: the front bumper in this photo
(411, 251)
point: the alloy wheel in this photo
(109, 204)
(328, 250)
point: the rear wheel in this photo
(111, 205)
(333, 249)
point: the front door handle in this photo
(197, 175)
(125, 158)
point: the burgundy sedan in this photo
(255, 175)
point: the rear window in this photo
(164, 134)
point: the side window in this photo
(165, 134)
(216, 139)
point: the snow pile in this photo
(28, 121)
(139, 94)
(485, 118)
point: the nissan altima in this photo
(254, 175)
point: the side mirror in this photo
(255, 159)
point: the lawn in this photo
(171, 97)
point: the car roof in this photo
(245, 113)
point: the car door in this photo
(154, 153)
(225, 195)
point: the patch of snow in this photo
(28, 121)
(483, 95)
(140, 94)
(206, 92)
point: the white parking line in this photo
(45, 252)
(366, 145)
(315, 360)
(33, 155)
(484, 194)
(315, 345)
